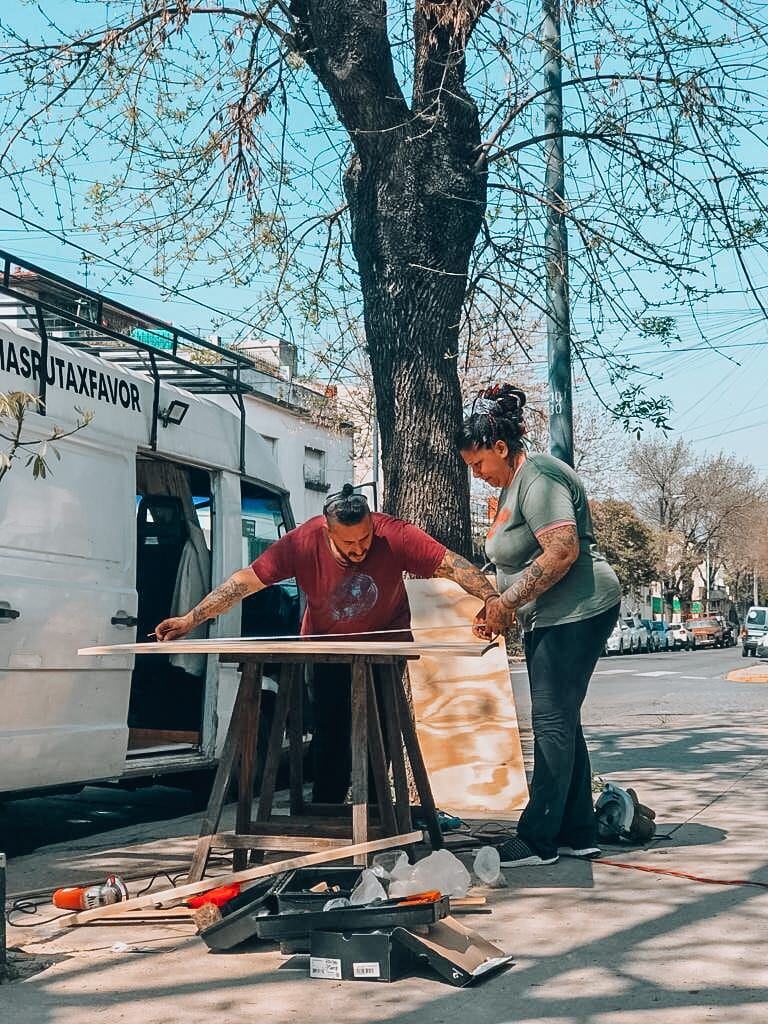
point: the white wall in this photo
(294, 432)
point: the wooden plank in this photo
(275, 747)
(396, 753)
(222, 645)
(247, 770)
(465, 714)
(359, 743)
(420, 776)
(212, 816)
(296, 740)
(378, 759)
(181, 892)
(286, 841)
(138, 739)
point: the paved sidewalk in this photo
(593, 943)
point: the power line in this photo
(137, 274)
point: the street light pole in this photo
(556, 243)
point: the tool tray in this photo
(282, 913)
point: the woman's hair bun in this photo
(503, 400)
(346, 490)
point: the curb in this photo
(753, 674)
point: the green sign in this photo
(657, 606)
(675, 604)
(158, 338)
(696, 607)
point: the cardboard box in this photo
(358, 956)
(458, 954)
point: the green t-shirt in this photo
(544, 492)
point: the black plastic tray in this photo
(255, 921)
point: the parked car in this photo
(640, 638)
(659, 634)
(706, 632)
(755, 626)
(621, 640)
(679, 637)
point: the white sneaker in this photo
(517, 854)
(583, 852)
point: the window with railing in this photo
(315, 470)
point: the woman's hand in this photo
(492, 619)
(498, 617)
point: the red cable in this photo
(679, 874)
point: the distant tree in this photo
(698, 505)
(34, 451)
(627, 542)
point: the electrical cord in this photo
(29, 903)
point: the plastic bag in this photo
(487, 867)
(392, 864)
(440, 870)
(368, 889)
(338, 903)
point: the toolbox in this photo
(287, 912)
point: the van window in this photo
(275, 610)
(756, 617)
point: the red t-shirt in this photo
(365, 597)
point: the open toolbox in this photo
(287, 911)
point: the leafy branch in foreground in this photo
(14, 408)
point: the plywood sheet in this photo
(237, 645)
(465, 710)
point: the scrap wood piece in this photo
(465, 712)
(180, 892)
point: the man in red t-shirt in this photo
(349, 563)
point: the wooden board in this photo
(236, 645)
(465, 712)
(180, 892)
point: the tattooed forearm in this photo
(560, 549)
(225, 596)
(454, 567)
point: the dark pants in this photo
(332, 725)
(560, 660)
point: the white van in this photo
(151, 504)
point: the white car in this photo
(639, 639)
(680, 637)
(621, 640)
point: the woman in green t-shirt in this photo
(557, 585)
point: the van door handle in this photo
(124, 620)
(9, 613)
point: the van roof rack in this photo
(70, 314)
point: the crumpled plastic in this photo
(368, 889)
(487, 867)
(441, 870)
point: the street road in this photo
(624, 689)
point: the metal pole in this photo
(708, 570)
(375, 466)
(556, 244)
(755, 588)
(3, 949)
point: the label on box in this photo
(371, 970)
(325, 967)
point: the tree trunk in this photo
(416, 187)
(413, 236)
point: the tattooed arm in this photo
(454, 567)
(239, 585)
(559, 550)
